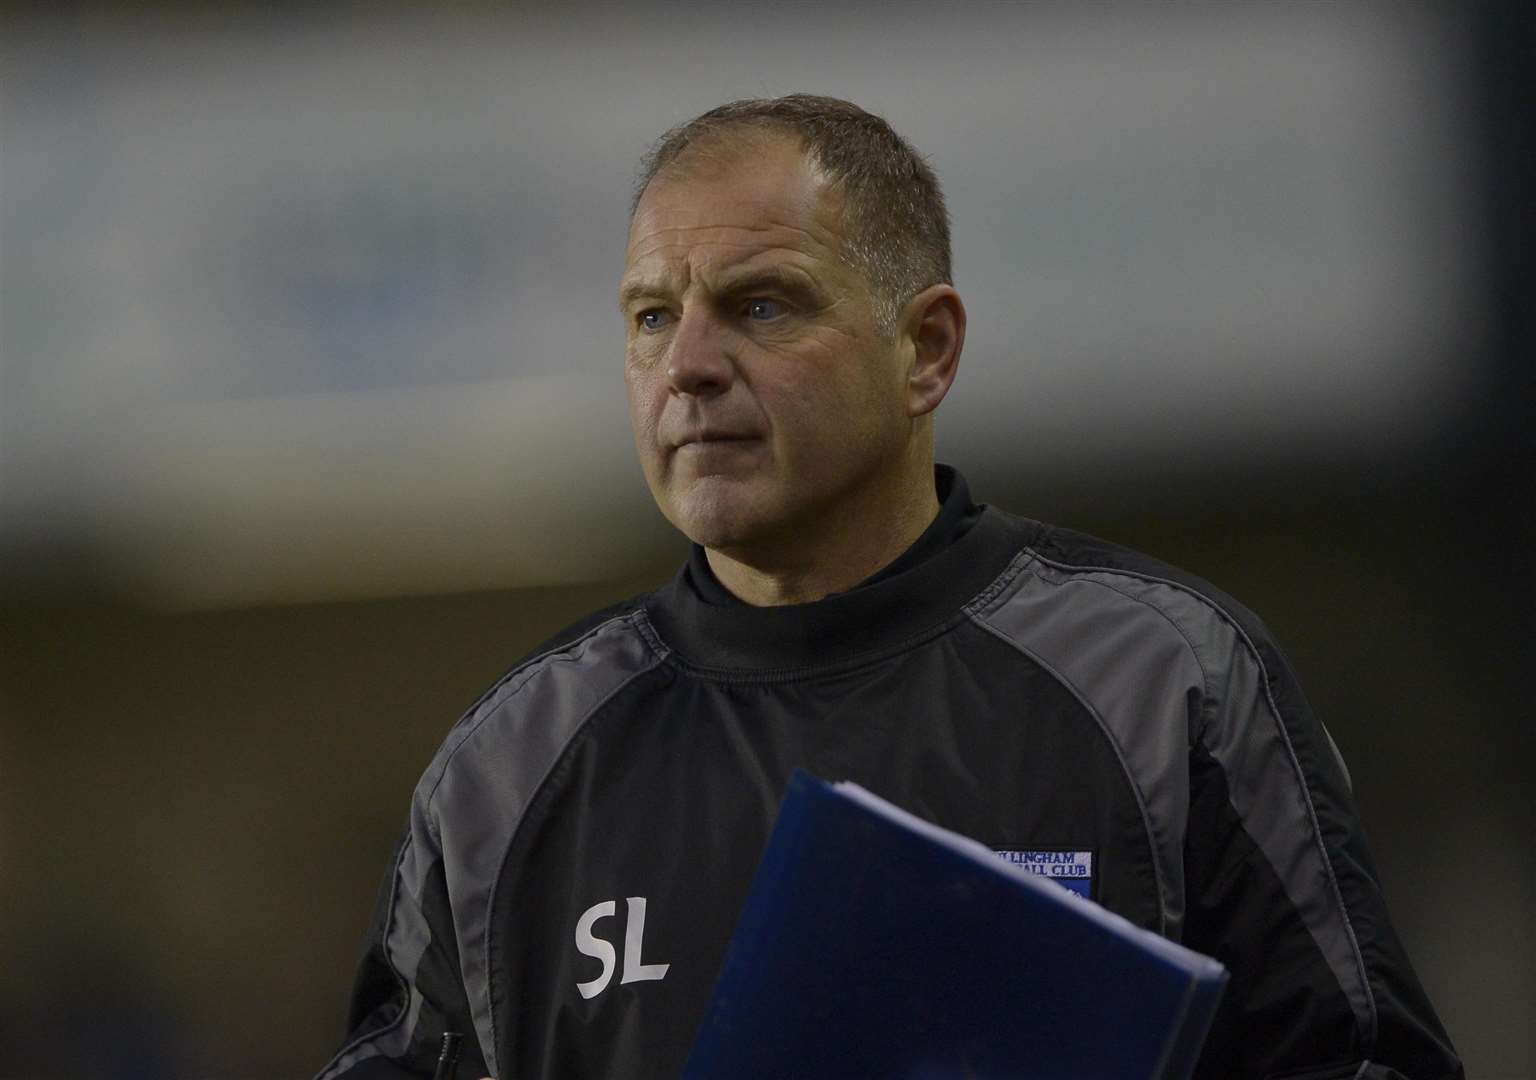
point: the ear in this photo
(934, 325)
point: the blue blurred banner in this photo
(1234, 233)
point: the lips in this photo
(714, 438)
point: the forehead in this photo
(754, 201)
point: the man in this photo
(579, 849)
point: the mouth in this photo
(717, 453)
(709, 439)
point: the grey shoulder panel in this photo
(1162, 666)
(470, 802)
(1133, 673)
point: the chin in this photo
(716, 514)
(717, 531)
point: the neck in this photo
(861, 537)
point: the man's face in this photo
(763, 399)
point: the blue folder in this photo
(875, 944)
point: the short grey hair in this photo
(895, 228)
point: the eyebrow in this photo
(634, 290)
(782, 279)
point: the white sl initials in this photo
(589, 944)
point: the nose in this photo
(699, 362)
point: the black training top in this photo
(579, 848)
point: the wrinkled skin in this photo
(776, 425)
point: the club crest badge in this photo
(1070, 869)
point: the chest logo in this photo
(1070, 869)
(602, 950)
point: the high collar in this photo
(885, 613)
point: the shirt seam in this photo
(577, 733)
(401, 982)
(501, 693)
(1277, 716)
(1130, 778)
(759, 676)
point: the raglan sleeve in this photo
(408, 989)
(1281, 887)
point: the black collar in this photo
(910, 598)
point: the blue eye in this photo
(763, 310)
(653, 319)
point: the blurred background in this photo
(311, 421)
